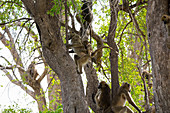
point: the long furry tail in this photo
(99, 49)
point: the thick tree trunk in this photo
(56, 56)
(59, 60)
(160, 54)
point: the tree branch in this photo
(45, 64)
(11, 2)
(32, 33)
(72, 19)
(45, 71)
(15, 21)
(13, 50)
(137, 10)
(146, 63)
(132, 6)
(123, 31)
(18, 83)
(136, 23)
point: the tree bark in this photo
(56, 56)
(92, 84)
(111, 42)
(160, 54)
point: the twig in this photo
(11, 67)
(11, 2)
(146, 63)
(123, 31)
(6, 60)
(15, 20)
(21, 30)
(28, 33)
(136, 23)
(45, 71)
(104, 73)
(49, 83)
(19, 83)
(72, 19)
(132, 6)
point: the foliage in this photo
(16, 109)
(58, 110)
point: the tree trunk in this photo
(111, 42)
(57, 57)
(92, 85)
(160, 54)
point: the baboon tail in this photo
(99, 49)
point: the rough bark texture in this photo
(92, 84)
(55, 53)
(160, 54)
(111, 42)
